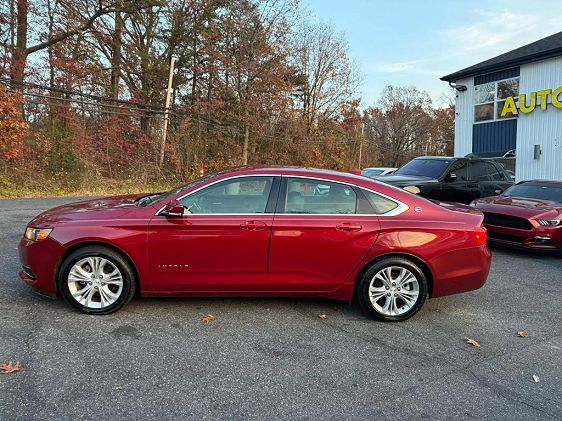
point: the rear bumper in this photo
(460, 270)
(39, 262)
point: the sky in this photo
(415, 42)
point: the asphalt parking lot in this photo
(276, 359)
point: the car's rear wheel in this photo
(96, 280)
(392, 289)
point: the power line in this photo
(144, 108)
(157, 111)
(89, 103)
(83, 109)
(70, 92)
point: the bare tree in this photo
(401, 124)
(83, 17)
(326, 76)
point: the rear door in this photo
(321, 231)
(489, 179)
(501, 177)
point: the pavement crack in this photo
(507, 394)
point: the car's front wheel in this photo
(96, 280)
(392, 289)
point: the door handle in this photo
(349, 227)
(253, 225)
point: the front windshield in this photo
(534, 190)
(432, 168)
(164, 196)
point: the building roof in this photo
(544, 48)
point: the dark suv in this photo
(451, 179)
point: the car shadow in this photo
(524, 253)
(304, 306)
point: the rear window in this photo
(380, 204)
(433, 168)
(371, 172)
(538, 191)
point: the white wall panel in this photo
(540, 127)
(464, 108)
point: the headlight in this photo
(412, 189)
(37, 234)
(550, 222)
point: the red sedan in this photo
(527, 215)
(259, 232)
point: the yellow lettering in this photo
(555, 98)
(523, 104)
(509, 107)
(543, 95)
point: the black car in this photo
(451, 179)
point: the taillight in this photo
(480, 236)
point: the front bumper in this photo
(39, 261)
(542, 238)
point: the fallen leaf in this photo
(208, 318)
(522, 334)
(536, 378)
(9, 367)
(323, 315)
(472, 342)
(117, 387)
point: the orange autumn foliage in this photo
(12, 127)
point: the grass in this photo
(56, 188)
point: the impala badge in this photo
(173, 267)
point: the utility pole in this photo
(167, 111)
(361, 145)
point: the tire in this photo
(101, 279)
(388, 302)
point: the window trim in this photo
(280, 209)
(495, 102)
(274, 190)
(401, 208)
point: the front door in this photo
(318, 236)
(221, 242)
(457, 184)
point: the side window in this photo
(480, 171)
(380, 204)
(239, 195)
(460, 169)
(495, 173)
(319, 197)
(485, 171)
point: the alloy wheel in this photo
(394, 290)
(95, 282)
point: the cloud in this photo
(496, 32)
(459, 41)
(414, 67)
(393, 67)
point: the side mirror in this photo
(173, 209)
(452, 177)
